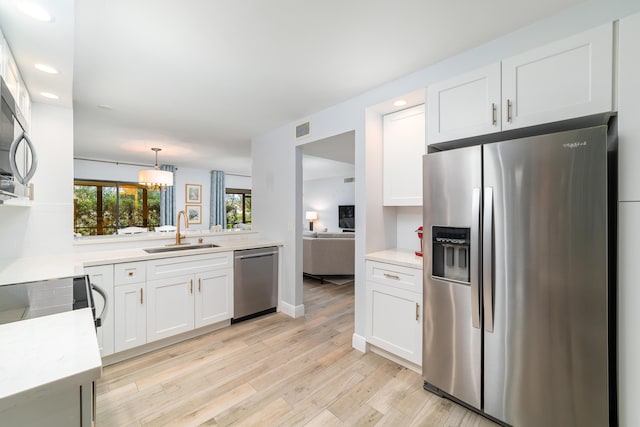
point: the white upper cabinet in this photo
(11, 75)
(403, 145)
(565, 79)
(629, 109)
(569, 78)
(465, 105)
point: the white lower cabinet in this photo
(160, 298)
(130, 316)
(169, 307)
(102, 276)
(188, 292)
(213, 297)
(394, 310)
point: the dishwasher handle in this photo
(256, 255)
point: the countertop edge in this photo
(401, 257)
(79, 369)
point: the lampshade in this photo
(155, 178)
(311, 215)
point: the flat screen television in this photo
(347, 217)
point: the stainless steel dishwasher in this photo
(255, 284)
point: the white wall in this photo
(47, 226)
(86, 169)
(324, 196)
(237, 181)
(409, 218)
(277, 185)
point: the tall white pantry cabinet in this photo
(629, 221)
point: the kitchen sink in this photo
(183, 247)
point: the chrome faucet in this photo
(186, 225)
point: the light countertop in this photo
(43, 355)
(402, 257)
(27, 269)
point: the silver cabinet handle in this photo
(191, 286)
(141, 299)
(487, 259)
(475, 253)
(509, 112)
(417, 311)
(494, 117)
(391, 276)
(199, 284)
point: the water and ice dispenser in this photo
(451, 253)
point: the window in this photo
(238, 206)
(102, 207)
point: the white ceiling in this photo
(201, 78)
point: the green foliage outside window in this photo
(104, 207)
(238, 207)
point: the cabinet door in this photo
(628, 313)
(464, 106)
(102, 276)
(169, 307)
(214, 297)
(130, 316)
(394, 321)
(569, 78)
(404, 145)
(629, 109)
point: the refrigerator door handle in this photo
(487, 259)
(475, 258)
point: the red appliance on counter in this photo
(420, 234)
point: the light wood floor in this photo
(277, 371)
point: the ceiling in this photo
(199, 79)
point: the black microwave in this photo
(18, 159)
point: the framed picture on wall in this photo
(194, 213)
(193, 193)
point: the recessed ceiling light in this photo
(46, 69)
(105, 107)
(400, 103)
(49, 95)
(35, 11)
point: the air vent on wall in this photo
(346, 180)
(303, 129)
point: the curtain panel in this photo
(217, 210)
(168, 199)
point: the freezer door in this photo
(451, 356)
(545, 361)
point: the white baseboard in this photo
(291, 310)
(399, 360)
(359, 343)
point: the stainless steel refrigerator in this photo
(516, 278)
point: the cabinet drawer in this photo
(129, 272)
(178, 266)
(395, 275)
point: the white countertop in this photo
(403, 257)
(27, 269)
(43, 355)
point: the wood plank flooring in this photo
(274, 371)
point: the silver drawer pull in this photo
(391, 276)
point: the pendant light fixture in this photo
(155, 178)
